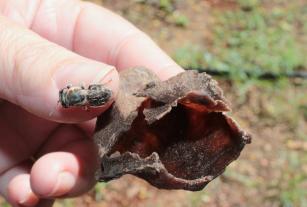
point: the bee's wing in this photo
(98, 96)
(96, 87)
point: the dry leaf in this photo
(174, 134)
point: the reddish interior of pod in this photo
(192, 140)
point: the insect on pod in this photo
(78, 96)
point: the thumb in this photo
(33, 70)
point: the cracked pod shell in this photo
(174, 133)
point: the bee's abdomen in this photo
(99, 97)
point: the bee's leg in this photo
(150, 85)
(107, 82)
(51, 113)
(82, 85)
(86, 108)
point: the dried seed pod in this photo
(174, 134)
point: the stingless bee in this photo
(78, 96)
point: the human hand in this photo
(43, 157)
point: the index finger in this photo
(117, 42)
(93, 32)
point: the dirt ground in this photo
(271, 172)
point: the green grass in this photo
(179, 19)
(65, 203)
(4, 204)
(292, 185)
(164, 5)
(198, 199)
(99, 187)
(257, 39)
(168, 12)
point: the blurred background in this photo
(240, 40)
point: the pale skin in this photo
(46, 151)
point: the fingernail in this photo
(30, 200)
(169, 71)
(82, 73)
(64, 183)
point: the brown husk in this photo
(174, 134)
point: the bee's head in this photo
(75, 96)
(62, 98)
(72, 96)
